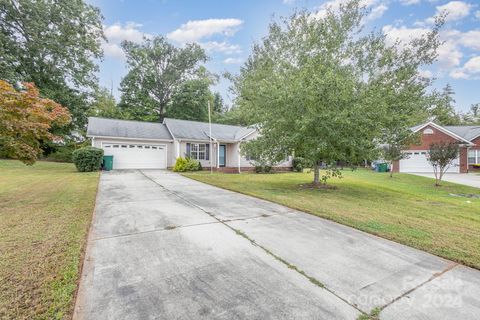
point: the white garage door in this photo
(417, 162)
(137, 156)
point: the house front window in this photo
(198, 151)
(473, 156)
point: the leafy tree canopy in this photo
(26, 120)
(218, 106)
(472, 117)
(324, 89)
(157, 69)
(190, 102)
(105, 106)
(53, 44)
(443, 107)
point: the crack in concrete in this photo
(167, 228)
(433, 277)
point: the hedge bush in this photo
(263, 169)
(88, 159)
(62, 154)
(298, 164)
(186, 164)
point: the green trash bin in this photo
(382, 167)
(107, 163)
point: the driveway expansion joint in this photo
(450, 267)
(167, 228)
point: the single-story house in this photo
(155, 145)
(468, 137)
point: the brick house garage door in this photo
(137, 156)
(417, 162)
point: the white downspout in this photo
(218, 154)
(177, 147)
(239, 159)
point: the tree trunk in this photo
(440, 176)
(316, 173)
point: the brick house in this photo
(468, 137)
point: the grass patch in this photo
(45, 213)
(406, 208)
(374, 315)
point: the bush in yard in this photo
(180, 165)
(298, 164)
(62, 154)
(263, 169)
(192, 165)
(87, 159)
(186, 164)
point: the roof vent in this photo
(428, 131)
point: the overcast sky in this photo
(227, 29)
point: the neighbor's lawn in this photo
(45, 211)
(407, 208)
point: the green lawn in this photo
(45, 212)
(406, 208)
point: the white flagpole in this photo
(210, 136)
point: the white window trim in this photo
(198, 152)
(476, 156)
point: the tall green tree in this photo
(472, 117)
(233, 116)
(218, 106)
(322, 88)
(443, 107)
(54, 44)
(157, 69)
(104, 105)
(190, 102)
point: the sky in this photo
(226, 29)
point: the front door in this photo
(222, 154)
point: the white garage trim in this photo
(133, 144)
(417, 162)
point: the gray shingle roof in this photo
(184, 129)
(466, 132)
(101, 127)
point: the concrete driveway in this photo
(166, 247)
(468, 179)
